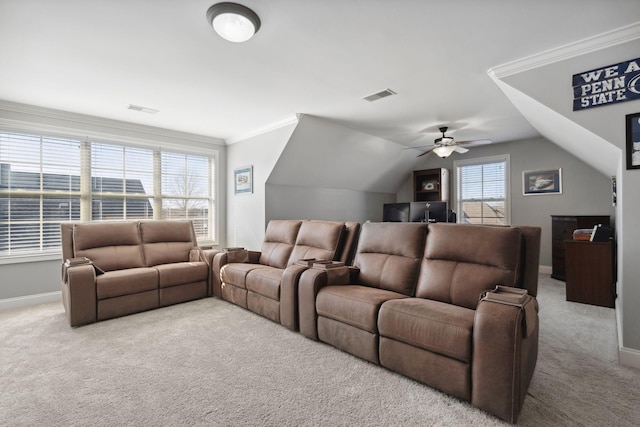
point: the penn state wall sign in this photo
(607, 85)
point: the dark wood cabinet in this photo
(562, 227)
(590, 272)
(431, 185)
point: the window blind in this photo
(186, 192)
(482, 193)
(39, 189)
(45, 181)
(122, 183)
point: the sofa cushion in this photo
(354, 305)
(317, 239)
(126, 282)
(167, 242)
(180, 273)
(236, 273)
(389, 255)
(265, 281)
(279, 239)
(110, 245)
(462, 261)
(431, 325)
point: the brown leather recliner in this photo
(266, 282)
(131, 267)
(412, 306)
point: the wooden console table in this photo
(562, 227)
(590, 272)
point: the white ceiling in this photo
(317, 57)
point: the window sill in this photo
(18, 259)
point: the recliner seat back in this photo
(389, 255)
(167, 242)
(461, 261)
(279, 239)
(317, 239)
(111, 246)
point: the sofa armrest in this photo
(289, 296)
(195, 255)
(221, 259)
(505, 350)
(206, 255)
(79, 293)
(311, 281)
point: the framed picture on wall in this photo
(243, 180)
(542, 182)
(633, 141)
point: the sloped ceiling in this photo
(324, 154)
(602, 155)
(543, 94)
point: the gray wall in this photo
(295, 202)
(29, 278)
(585, 191)
(246, 212)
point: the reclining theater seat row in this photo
(415, 308)
(266, 281)
(146, 264)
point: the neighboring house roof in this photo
(65, 205)
(483, 213)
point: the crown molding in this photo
(65, 121)
(588, 45)
(266, 129)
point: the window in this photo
(121, 182)
(186, 193)
(482, 190)
(45, 181)
(39, 189)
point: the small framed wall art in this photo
(243, 180)
(542, 182)
(633, 141)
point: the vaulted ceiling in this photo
(314, 57)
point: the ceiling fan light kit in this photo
(444, 150)
(233, 22)
(446, 145)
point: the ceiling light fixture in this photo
(233, 22)
(444, 150)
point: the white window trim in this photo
(162, 144)
(483, 160)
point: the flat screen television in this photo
(428, 212)
(395, 212)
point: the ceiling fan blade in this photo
(461, 150)
(428, 150)
(475, 142)
(416, 148)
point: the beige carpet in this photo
(211, 363)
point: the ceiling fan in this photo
(446, 145)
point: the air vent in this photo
(379, 95)
(142, 109)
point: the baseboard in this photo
(544, 269)
(629, 357)
(9, 303)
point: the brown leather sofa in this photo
(265, 282)
(411, 304)
(130, 267)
